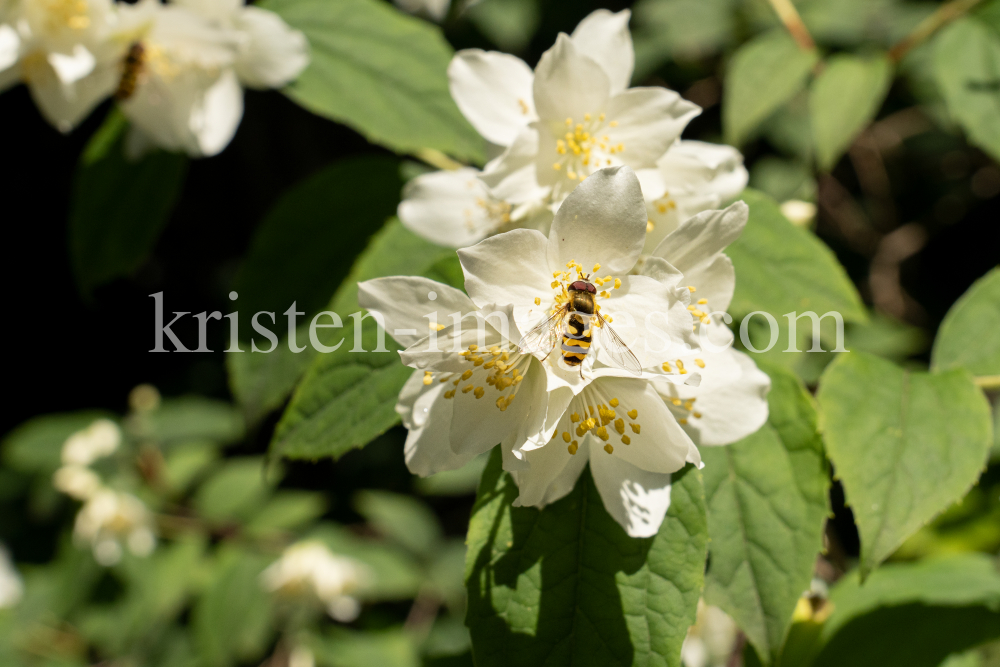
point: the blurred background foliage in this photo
(895, 143)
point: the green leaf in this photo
(566, 585)
(967, 67)
(913, 614)
(679, 30)
(783, 179)
(381, 72)
(235, 492)
(393, 647)
(36, 445)
(347, 399)
(287, 510)
(460, 482)
(905, 445)
(969, 336)
(305, 245)
(763, 74)
(232, 619)
(781, 268)
(767, 506)
(186, 462)
(190, 418)
(118, 207)
(510, 24)
(402, 518)
(844, 98)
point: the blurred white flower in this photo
(195, 55)
(711, 640)
(110, 518)
(436, 10)
(301, 656)
(310, 568)
(77, 482)
(64, 51)
(84, 447)
(691, 177)
(799, 212)
(11, 586)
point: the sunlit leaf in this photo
(969, 336)
(379, 71)
(844, 98)
(967, 69)
(566, 585)
(763, 74)
(767, 505)
(781, 268)
(905, 445)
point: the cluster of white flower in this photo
(108, 517)
(176, 70)
(310, 569)
(555, 126)
(11, 585)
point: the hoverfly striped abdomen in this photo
(132, 66)
(576, 339)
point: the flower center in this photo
(698, 309)
(574, 273)
(495, 211)
(498, 367)
(67, 13)
(594, 415)
(581, 151)
(683, 409)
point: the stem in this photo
(790, 17)
(436, 158)
(947, 13)
(988, 381)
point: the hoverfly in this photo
(573, 323)
(132, 66)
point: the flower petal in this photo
(699, 239)
(697, 166)
(494, 92)
(407, 308)
(605, 37)
(451, 208)
(657, 442)
(648, 121)
(647, 317)
(507, 268)
(273, 54)
(513, 177)
(637, 499)
(729, 411)
(215, 119)
(64, 105)
(568, 84)
(603, 221)
(551, 475)
(715, 282)
(427, 415)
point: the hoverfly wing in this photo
(544, 336)
(616, 348)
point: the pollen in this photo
(680, 367)
(608, 448)
(573, 446)
(626, 440)
(450, 393)
(524, 107)
(666, 367)
(467, 389)
(649, 224)
(682, 421)
(620, 425)
(635, 428)
(691, 289)
(428, 377)
(556, 166)
(632, 414)
(555, 284)
(479, 392)
(575, 417)
(538, 301)
(597, 267)
(702, 302)
(700, 363)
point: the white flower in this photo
(731, 400)
(691, 177)
(573, 115)
(188, 97)
(98, 440)
(456, 209)
(77, 481)
(310, 568)
(11, 586)
(710, 642)
(110, 518)
(63, 51)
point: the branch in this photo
(945, 14)
(436, 158)
(988, 381)
(790, 17)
